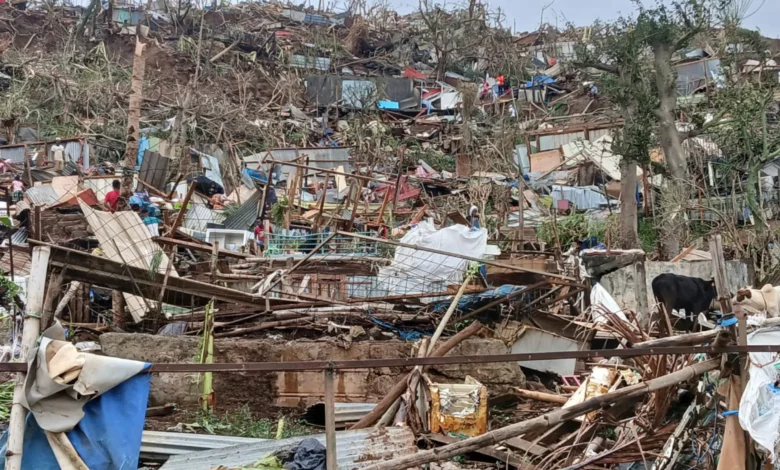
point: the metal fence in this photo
(285, 246)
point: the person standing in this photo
(112, 198)
(18, 189)
(58, 154)
(500, 82)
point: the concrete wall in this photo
(296, 388)
(621, 283)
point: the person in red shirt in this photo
(112, 198)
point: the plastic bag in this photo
(759, 409)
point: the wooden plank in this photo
(492, 452)
(138, 281)
(522, 445)
(330, 422)
(182, 211)
(204, 247)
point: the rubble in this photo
(406, 225)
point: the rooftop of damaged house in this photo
(262, 235)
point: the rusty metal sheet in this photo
(459, 408)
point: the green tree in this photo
(617, 50)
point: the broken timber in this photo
(546, 420)
(179, 291)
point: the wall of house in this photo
(60, 226)
(292, 389)
(621, 283)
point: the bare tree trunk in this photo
(671, 142)
(133, 124)
(118, 309)
(629, 236)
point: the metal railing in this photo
(284, 246)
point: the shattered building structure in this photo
(367, 225)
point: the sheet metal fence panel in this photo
(355, 449)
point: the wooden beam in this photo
(204, 247)
(182, 211)
(546, 420)
(332, 172)
(113, 275)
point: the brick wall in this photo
(59, 225)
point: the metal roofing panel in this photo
(245, 215)
(199, 215)
(355, 449)
(310, 62)
(15, 154)
(160, 446)
(43, 195)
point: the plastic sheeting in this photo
(599, 297)
(107, 438)
(759, 408)
(584, 197)
(471, 302)
(415, 271)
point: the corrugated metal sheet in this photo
(309, 62)
(15, 154)
(160, 446)
(199, 215)
(326, 158)
(355, 449)
(101, 186)
(245, 215)
(549, 142)
(42, 195)
(22, 262)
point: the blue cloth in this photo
(471, 302)
(406, 335)
(107, 438)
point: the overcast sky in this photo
(526, 13)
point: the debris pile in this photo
(398, 230)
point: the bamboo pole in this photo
(30, 332)
(446, 318)
(546, 420)
(400, 387)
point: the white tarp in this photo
(599, 297)
(759, 409)
(125, 239)
(415, 271)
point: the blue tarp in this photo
(256, 175)
(143, 146)
(540, 80)
(107, 438)
(471, 302)
(406, 335)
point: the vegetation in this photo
(242, 423)
(6, 399)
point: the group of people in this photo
(147, 212)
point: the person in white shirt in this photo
(58, 154)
